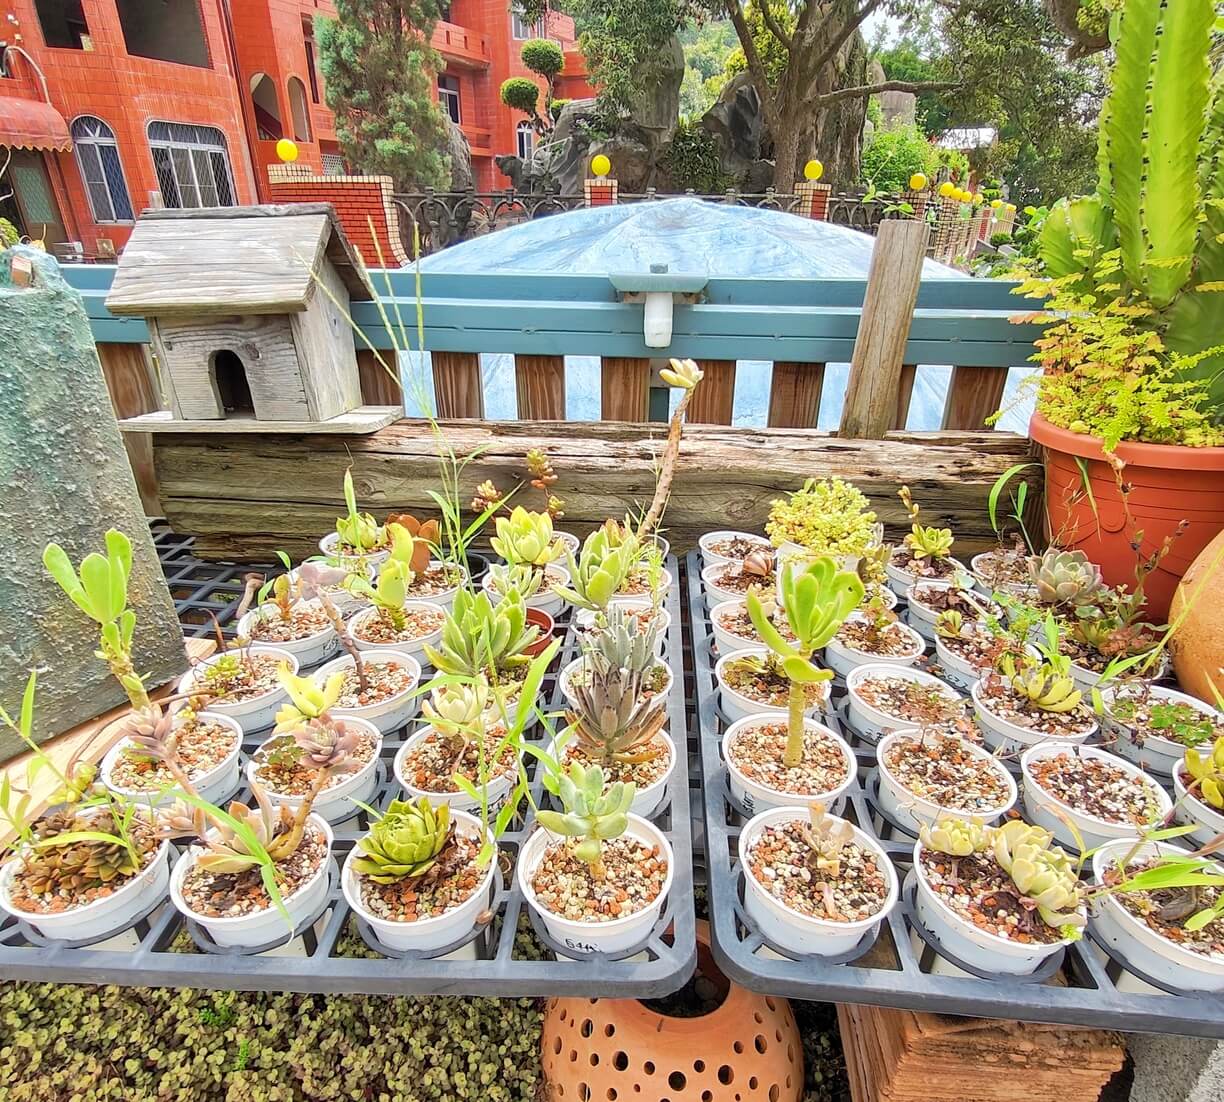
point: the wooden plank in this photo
(132, 383)
(377, 387)
(624, 388)
(879, 348)
(325, 350)
(85, 740)
(905, 394)
(363, 419)
(794, 395)
(974, 393)
(540, 385)
(713, 401)
(458, 387)
(244, 497)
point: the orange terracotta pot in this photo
(1197, 645)
(618, 1050)
(1168, 484)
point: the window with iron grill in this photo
(97, 157)
(192, 163)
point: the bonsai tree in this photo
(816, 600)
(545, 58)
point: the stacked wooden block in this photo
(900, 1056)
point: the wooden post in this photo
(377, 387)
(905, 394)
(794, 395)
(132, 383)
(974, 393)
(713, 400)
(540, 384)
(457, 384)
(888, 309)
(624, 388)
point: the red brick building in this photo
(109, 106)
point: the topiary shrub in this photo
(521, 94)
(691, 160)
(894, 155)
(543, 56)
(8, 234)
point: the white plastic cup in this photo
(841, 659)
(586, 620)
(710, 557)
(922, 617)
(387, 715)
(727, 642)
(1155, 752)
(256, 712)
(573, 666)
(870, 722)
(415, 647)
(648, 800)
(213, 786)
(498, 788)
(1191, 811)
(1011, 738)
(736, 705)
(546, 599)
(317, 647)
(329, 545)
(754, 796)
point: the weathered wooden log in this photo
(244, 496)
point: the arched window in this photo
(193, 168)
(97, 157)
(298, 111)
(525, 135)
(267, 110)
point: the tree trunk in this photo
(838, 131)
(786, 154)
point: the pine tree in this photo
(379, 71)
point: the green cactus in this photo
(404, 843)
(593, 813)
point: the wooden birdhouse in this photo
(241, 329)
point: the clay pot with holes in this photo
(735, 1045)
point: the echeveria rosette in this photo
(307, 701)
(405, 842)
(525, 538)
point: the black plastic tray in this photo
(502, 967)
(890, 970)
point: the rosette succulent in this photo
(358, 532)
(307, 700)
(525, 538)
(612, 721)
(1065, 578)
(1047, 685)
(481, 638)
(922, 541)
(455, 710)
(1044, 874)
(955, 837)
(404, 843)
(595, 812)
(623, 643)
(600, 569)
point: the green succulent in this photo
(595, 812)
(1043, 873)
(929, 543)
(827, 516)
(612, 720)
(527, 539)
(1207, 773)
(481, 638)
(955, 837)
(603, 564)
(358, 532)
(1065, 578)
(1046, 685)
(456, 709)
(623, 642)
(404, 843)
(950, 624)
(504, 577)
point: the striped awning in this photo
(32, 124)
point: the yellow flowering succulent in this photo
(827, 517)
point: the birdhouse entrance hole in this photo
(229, 375)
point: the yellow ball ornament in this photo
(977, 198)
(600, 165)
(287, 150)
(947, 189)
(1011, 208)
(813, 170)
(917, 182)
(995, 204)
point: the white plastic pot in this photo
(1085, 679)
(1045, 810)
(338, 801)
(214, 786)
(572, 667)
(330, 546)
(714, 593)
(1191, 811)
(256, 712)
(596, 937)
(870, 722)
(1152, 953)
(648, 800)
(726, 641)
(103, 917)
(310, 650)
(912, 811)
(425, 934)
(787, 928)
(586, 621)
(1155, 752)
(958, 672)
(736, 705)
(347, 603)
(387, 715)
(632, 599)
(546, 599)
(572, 543)
(998, 733)
(709, 556)
(414, 647)
(754, 796)
(260, 927)
(922, 618)
(498, 788)
(841, 659)
(899, 581)
(963, 940)
(1015, 589)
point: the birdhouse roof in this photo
(231, 260)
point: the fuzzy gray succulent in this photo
(623, 643)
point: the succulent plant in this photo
(326, 745)
(602, 565)
(1207, 773)
(1044, 874)
(955, 837)
(422, 533)
(828, 517)
(611, 720)
(623, 643)
(826, 836)
(503, 578)
(526, 538)
(358, 532)
(456, 710)
(72, 852)
(480, 638)
(924, 542)
(307, 700)
(404, 843)
(1065, 578)
(1047, 685)
(816, 601)
(595, 812)
(234, 846)
(950, 624)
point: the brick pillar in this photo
(947, 217)
(813, 199)
(600, 192)
(918, 200)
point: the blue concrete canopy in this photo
(689, 235)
